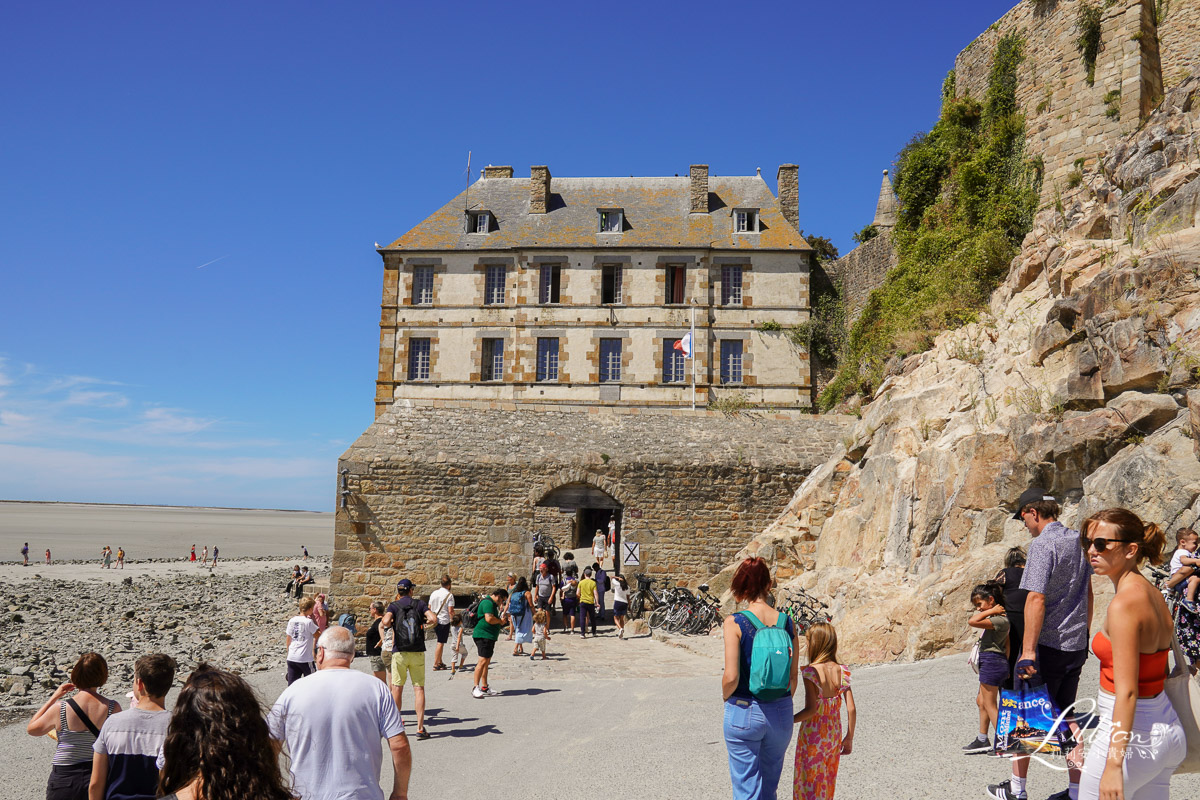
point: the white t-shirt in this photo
(332, 722)
(1177, 559)
(301, 629)
(619, 595)
(441, 603)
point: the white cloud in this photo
(80, 397)
(170, 420)
(15, 420)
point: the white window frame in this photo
(618, 284)
(745, 220)
(610, 361)
(477, 220)
(731, 290)
(546, 284)
(728, 368)
(494, 290)
(496, 355)
(420, 349)
(674, 363)
(422, 286)
(612, 216)
(547, 372)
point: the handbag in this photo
(1184, 695)
(973, 658)
(1029, 723)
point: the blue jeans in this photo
(757, 735)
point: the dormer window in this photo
(479, 221)
(745, 220)
(611, 220)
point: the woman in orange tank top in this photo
(1139, 742)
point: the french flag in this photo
(685, 344)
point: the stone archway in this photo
(571, 511)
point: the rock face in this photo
(1079, 378)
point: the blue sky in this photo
(190, 294)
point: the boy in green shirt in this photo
(487, 630)
(587, 603)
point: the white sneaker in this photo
(490, 692)
(476, 693)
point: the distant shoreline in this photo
(141, 505)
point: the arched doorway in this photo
(582, 509)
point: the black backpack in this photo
(410, 636)
(471, 618)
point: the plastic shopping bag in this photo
(1029, 723)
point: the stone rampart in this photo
(460, 487)
(861, 271)
(1068, 118)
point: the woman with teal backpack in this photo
(758, 682)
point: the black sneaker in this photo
(1065, 794)
(1003, 791)
(977, 745)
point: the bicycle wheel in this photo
(657, 617)
(636, 606)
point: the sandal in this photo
(440, 666)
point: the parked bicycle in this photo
(644, 598)
(550, 550)
(805, 610)
(684, 612)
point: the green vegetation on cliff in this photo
(967, 196)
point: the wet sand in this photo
(79, 531)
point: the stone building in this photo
(529, 381)
(576, 290)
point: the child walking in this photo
(458, 650)
(993, 658)
(541, 633)
(820, 743)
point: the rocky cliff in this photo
(1077, 378)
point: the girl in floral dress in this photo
(820, 744)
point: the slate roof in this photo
(656, 215)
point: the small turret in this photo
(887, 209)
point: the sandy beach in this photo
(78, 531)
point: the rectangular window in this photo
(676, 284)
(610, 284)
(422, 287)
(673, 363)
(731, 286)
(549, 283)
(610, 360)
(418, 359)
(731, 361)
(745, 220)
(492, 368)
(494, 285)
(479, 222)
(547, 360)
(610, 220)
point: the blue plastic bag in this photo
(1029, 723)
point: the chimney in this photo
(788, 178)
(539, 190)
(699, 188)
(497, 172)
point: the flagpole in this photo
(693, 349)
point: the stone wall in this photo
(459, 487)
(1068, 119)
(861, 271)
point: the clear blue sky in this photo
(191, 193)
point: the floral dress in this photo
(819, 742)
(1188, 631)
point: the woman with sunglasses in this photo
(1139, 742)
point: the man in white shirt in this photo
(332, 724)
(301, 634)
(441, 603)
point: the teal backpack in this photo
(770, 659)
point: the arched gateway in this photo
(572, 513)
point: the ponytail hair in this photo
(1149, 538)
(992, 589)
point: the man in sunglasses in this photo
(1058, 615)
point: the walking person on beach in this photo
(216, 554)
(106, 556)
(77, 721)
(193, 558)
(305, 549)
(757, 685)
(204, 558)
(47, 555)
(120, 557)
(487, 631)
(25, 555)
(332, 723)
(820, 743)
(1058, 611)
(302, 633)
(218, 744)
(408, 617)
(127, 748)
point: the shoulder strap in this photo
(758, 626)
(91, 726)
(782, 621)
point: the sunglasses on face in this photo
(1100, 543)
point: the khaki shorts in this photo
(378, 664)
(406, 665)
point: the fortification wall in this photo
(459, 487)
(1066, 117)
(862, 270)
(1178, 39)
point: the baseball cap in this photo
(404, 583)
(1032, 495)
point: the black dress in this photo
(1014, 609)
